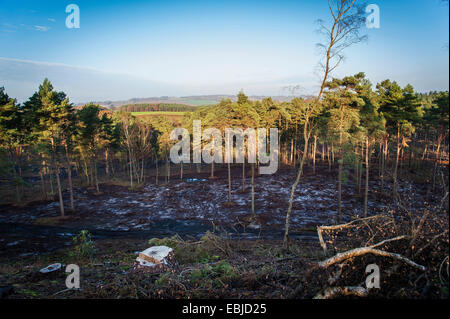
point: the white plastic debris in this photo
(254, 225)
(50, 268)
(154, 256)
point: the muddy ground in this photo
(122, 221)
(190, 207)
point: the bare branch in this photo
(367, 250)
(333, 292)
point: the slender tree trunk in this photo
(360, 168)
(96, 176)
(52, 191)
(142, 170)
(292, 152)
(383, 164)
(396, 162)
(167, 170)
(294, 186)
(69, 176)
(229, 183)
(43, 188)
(157, 170)
(106, 162)
(181, 170)
(243, 176)
(329, 158)
(131, 168)
(341, 165)
(332, 153)
(366, 193)
(58, 182)
(314, 154)
(356, 167)
(16, 182)
(425, 151)
(253, 189)
(323, 152)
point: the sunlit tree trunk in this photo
(106, 162)
(130, 167)
(212, 169)
(340, 167)
(181, 170)
(253, 189)
(69, 176)
(96, 175)
(167, 170)
(243, 176)
(43, 187)
(294, 186)
(366, 193)
(396, 162)
(58, 182)
(157, 170)
(229, 182)
(314, 154)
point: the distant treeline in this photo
(161, 107)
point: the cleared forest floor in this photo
(245, 259)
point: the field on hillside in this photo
(174, 117)
(158, 113)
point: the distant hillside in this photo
(194, 100)
(158, 107)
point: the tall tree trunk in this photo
(339, 210)
(243, 176)
(294, 186)
(106, 162)
(329, 157)
(323, 152)
(96, 176)
(291, 160)
(142, 170)
(383, 164)
(157, 170)
(49, 173)
(229, 182)
(131, 168)
(167, 169)
(181, 170)
(43, 188)
(69, 176)
(58, 182)
(360, 168)
(356, 167)
(425, 151)
(16, 182)
(366, 193)
(253, 189)
(399, 148)
(314, 154)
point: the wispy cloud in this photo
(51, 20)
(82, 84)
(41, 28)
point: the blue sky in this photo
(138, 48)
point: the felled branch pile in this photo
(412, 250)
